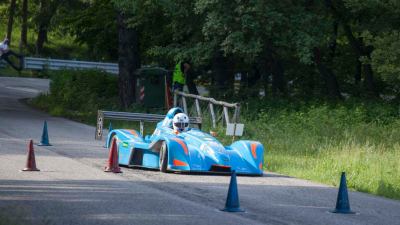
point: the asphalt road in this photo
(72, 188)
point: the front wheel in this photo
(163, 157)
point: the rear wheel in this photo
(163, 157)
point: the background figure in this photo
(179, 76)
(5, 52)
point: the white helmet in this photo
(180, 122)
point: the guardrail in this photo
(58, 64)
(211, 102)
(127, 116)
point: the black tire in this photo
(163, 157)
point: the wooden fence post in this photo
(175, 99)
(184, 104)
(226, 115)
(198, 109)
(214, 124)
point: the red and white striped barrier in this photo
(141, 95)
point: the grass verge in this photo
(318, 141)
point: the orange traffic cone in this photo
(113, 159)
(30, 161)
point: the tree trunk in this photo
(369, 82)
(358, 46)
(42, 26)
(278, 77)
(220, 70)
(333, 44)
(220, 75)
(128, 61)
(330, 79)
(263, 70)
(190, 83)
(24, 25)
(254, 76)
(361, 50)
(41, 38)
(275, 68)
(357, 75)
(47, 11)
(11, 19)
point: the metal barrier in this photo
(126, 116)
(211, 102)
(58, 64)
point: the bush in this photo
(79, 94)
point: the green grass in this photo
(319, 141)
(367, 170)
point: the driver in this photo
(180, 123)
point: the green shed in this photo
(152, 87)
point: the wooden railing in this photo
(211, 102)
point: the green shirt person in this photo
(179, 75)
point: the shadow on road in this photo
(142, 202)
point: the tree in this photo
(11, 12)
(339, 11)
(85, 21)
(375, 27)
(301, 47)
(46, 12)
(24, 25)
(128, 60)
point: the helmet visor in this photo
(181, 125)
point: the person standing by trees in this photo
(5, 52)
(179, 75)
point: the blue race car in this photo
(189, 151)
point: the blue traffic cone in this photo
(110, 128)
(232, 200)
(342, 203)
(45, 136)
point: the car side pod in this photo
(45, 136)
(30, 161)
(232, 200)
(112, 165)
(342, 203)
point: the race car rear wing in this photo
(127, 116)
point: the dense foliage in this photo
(303, 48)
(79, 94)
